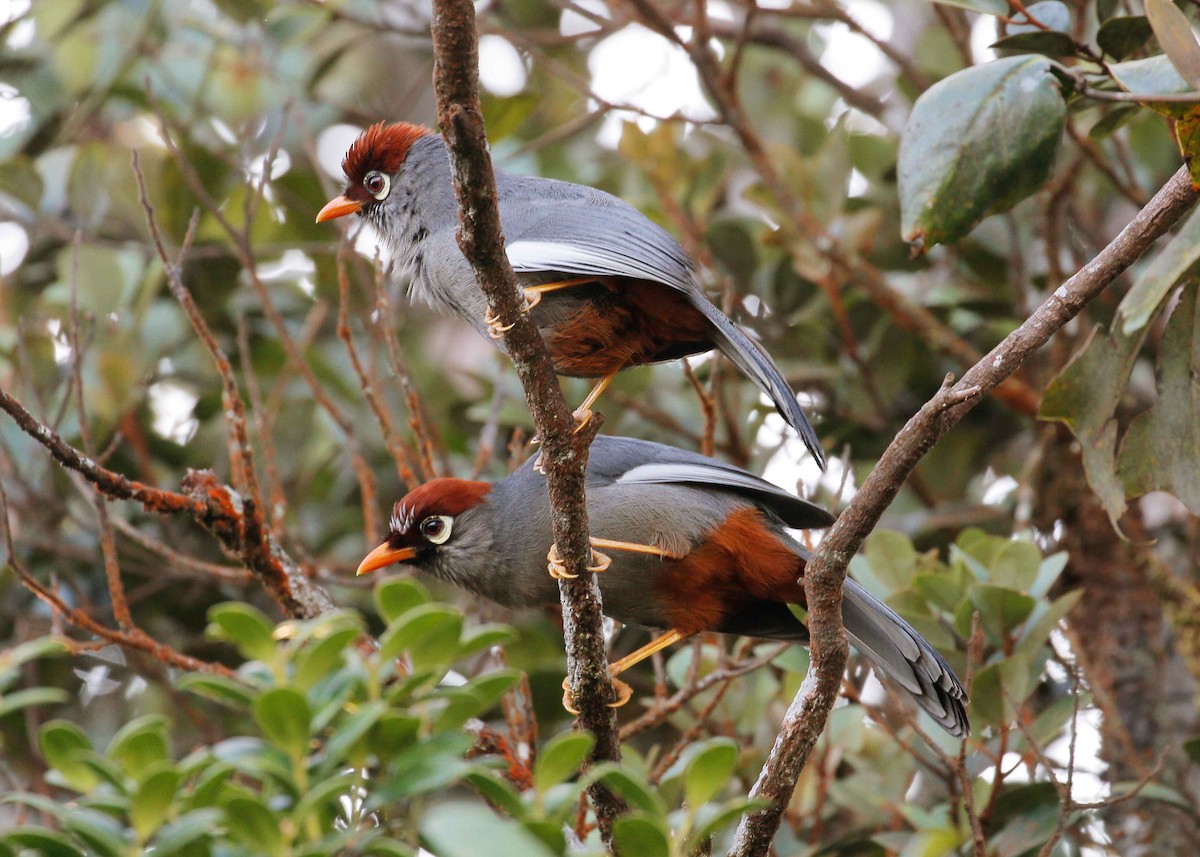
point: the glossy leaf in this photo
(284, 717)
(66, 748)
(397, 595)
(561, 758)
(977, 143)
(641, 835)
(1119, 37)
(246, 627)
(467, 830)
(708, 769)
(1174, 33)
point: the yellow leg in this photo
(632, 547)
(556, 569)
(584, 412)
(624, 691)
(533, 296)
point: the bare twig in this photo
(826, 572)
(456, 82)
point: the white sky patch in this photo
(501, 70)
(850, 56)
(793, 465)
(280, 164)
(573, 23)
(172, 404)
(62, 348)
(332, 144)
(997, 489)
(294, 266)
(858, 183)
(983, 33)
(14, 244)
(662, 82)
(14, 111)
(22, 34)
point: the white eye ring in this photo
(385, 184)
(436, 528)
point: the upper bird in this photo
(694, 545)
(607, 288)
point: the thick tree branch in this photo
(826, 573)
(456, 82)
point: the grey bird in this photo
(693, 544)
(607, 288)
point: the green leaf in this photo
(10, 702)
(325, 795)
(352, 730)
(150, 805)
(1150, 76)
(1175, 261)
(140, 744)
(1120, 36)
(397, 595)
(253, 824)
(218, 688)
(246, 627)
(1000, 610)
(66, 748)
(42, 647)
(1162, 446)
(284, 717)
(632, 788)
(1048, 42)
(429, 632)
(315, 661)
(484, 637)
(976, 143)
(708, 770)
(561, 758)
(1174, 33)
(1017, 565)
(1084, 396)
(892, 559)
(186, 831)
(645, 837)
(45, 843)
(711, 820)
(983, 7)
(498, 793)
(457, 829)
(1045, 618)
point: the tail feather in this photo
(757, 365)
(906, 657)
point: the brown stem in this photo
(456, 82)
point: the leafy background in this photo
(799, 152)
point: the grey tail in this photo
(904, 656)
(757, 365)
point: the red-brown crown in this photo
(381, 147)
(441, 496)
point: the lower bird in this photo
(684, 542)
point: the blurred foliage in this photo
(1010, 171)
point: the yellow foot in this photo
(557, 570)
(624, 694)
(582, 416)
(495, 328)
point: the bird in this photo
(681, 542)
(606, 286)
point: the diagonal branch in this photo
(826, 572)
(456, 82)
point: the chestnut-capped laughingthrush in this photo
(607, 288)
(689, 544)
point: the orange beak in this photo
(339, 206)
(382, 556)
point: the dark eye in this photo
(436, 528)
(377, 184)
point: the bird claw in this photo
(558, 570)
(624, 694)
(539, 465)
(495, 328)
(532, 299)
(582, 416)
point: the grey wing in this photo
(585, 231)
(793, 511)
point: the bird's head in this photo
(372, 166)
(424, 525)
